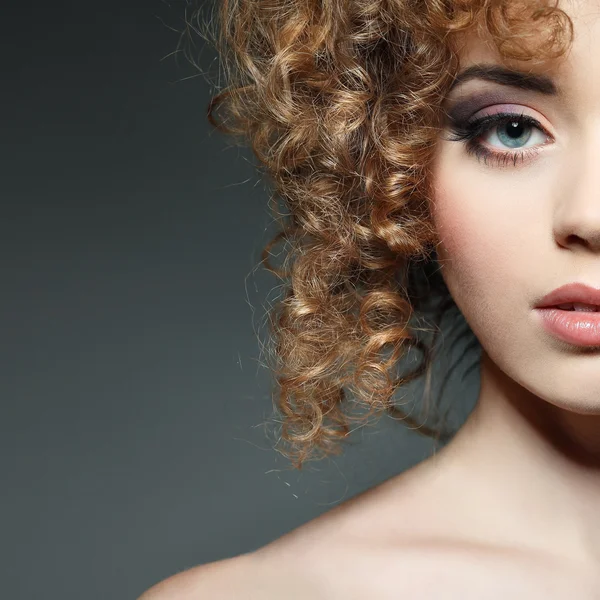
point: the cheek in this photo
(492, 230)
(476, 252)
(474, 266)
(465, 236)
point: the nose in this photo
(577, 218)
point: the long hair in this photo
(340, 102)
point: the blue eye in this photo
(516, 133)
(510, 130)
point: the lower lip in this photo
(574, 327)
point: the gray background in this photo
(134, 399)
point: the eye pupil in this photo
(515, 129)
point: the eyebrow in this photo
(504, 76)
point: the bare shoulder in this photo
(317, 560)
(200, 580)
(342, 566)
(260, 575)
(316, 563)
(298, 565)
(394, 541)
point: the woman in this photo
(401, 134)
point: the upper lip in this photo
(571, 292)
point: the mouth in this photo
(576, 306)
(572, 314)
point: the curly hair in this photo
(340, 102)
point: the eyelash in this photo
(470, 131)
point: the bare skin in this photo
(511, 507)
(411, 537)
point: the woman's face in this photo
(519, 215)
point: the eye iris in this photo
(514, 132)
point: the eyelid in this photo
(515, 109)
(471, 131)
(466, 104)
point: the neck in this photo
(533, 469)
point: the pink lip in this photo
(578, 328)
(572, 292)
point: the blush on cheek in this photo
(465, 251)
(468, 230)
(453, 228)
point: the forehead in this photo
(577, 71)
